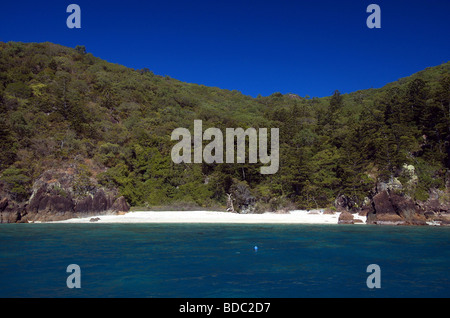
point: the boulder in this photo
(384, 212)
(54, 198)
(120, 205)
(391, 208)
(407, 209)
(382, 203)
(345, 218)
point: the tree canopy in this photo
(60, 104)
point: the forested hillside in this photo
(63, 107)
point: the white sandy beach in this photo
(294, 217)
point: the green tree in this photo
(17, 181)
(18, 89)
(7, 153)
(81, 49)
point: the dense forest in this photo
(63, 106)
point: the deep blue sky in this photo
(307, 47)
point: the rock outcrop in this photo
(391, 208)
(389, 204)
(54, 197)
(11, 212)
(346, 218)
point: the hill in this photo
(105, 127)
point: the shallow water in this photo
(219, 260)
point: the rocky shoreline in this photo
(59, 195)
(55, 197)
(387, 207)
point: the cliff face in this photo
(58, 195)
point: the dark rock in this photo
(60, 204)
(35, 199)
(383, 211)
(84, 205)
(13, 213)
(53, 198)
(371, 217)
(120, 205)
(42, 203)
(45, 199)
(395, 209)
(341, 203)
(346, 218)
(404, 207)
(100, 201)
(344, 203)
(94, 219)
(429, 215)
(382, 204)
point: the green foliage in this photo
(81, 49)
(18, 183)
(18, 90)
(7, 153)
(61, 105)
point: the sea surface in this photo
(220, 260)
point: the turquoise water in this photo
(217, 260)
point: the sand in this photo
(294, 217)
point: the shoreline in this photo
(293, 217)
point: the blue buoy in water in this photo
(256, 248)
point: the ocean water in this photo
(219, 260)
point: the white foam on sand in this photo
(294, 217)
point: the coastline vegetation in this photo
(61, 105)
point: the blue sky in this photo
(257, 47)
